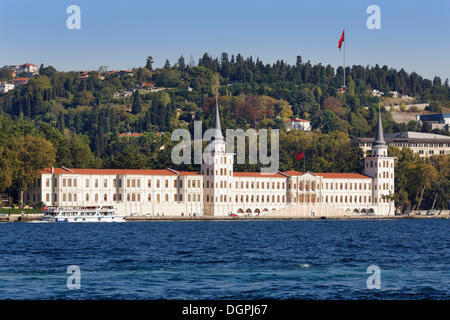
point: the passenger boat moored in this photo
(81, 214)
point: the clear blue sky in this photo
(415, 34)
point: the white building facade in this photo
(5, 87)
(219, 191)
(298, 124)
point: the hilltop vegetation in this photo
(78, 117)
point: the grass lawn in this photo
(18, 211)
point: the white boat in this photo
(81, 214)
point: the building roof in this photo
(293, 173)
(217, 127)
(415, 135)
(379, 137)
(258, 175)
(149, 172)
(434, 116)
(19, 80)
(189, 173)
(342, 175)
(129, 134)
(328, 175)
(296, 120)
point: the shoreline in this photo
(37, 217)
(211, 218)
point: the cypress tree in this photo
(137, 103)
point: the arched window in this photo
(105, 197)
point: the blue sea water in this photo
(227, 259)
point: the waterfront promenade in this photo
(440, 214)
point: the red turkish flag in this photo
(341, 40)
(299, 156)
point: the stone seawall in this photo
(266, 218)
(21, 217)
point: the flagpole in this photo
(304, 163)
(344, 58)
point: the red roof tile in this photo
(293, 173)
(258, 175)
(297, 119)
(131, 134)
(189, 173)
(150, 172)
(342, 175)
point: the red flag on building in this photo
(299, 156)
(341, 40)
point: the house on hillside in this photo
(28, 68)
(5, 87)
(19, 81)
(298, 124)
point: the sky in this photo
(414, 35)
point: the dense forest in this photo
(78, 119)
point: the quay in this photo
(441, 214)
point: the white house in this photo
(5, 87)
(28, 68)
(298, 124)
(218, 191)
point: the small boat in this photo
(81, 214)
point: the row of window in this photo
(432, 152)
(348, 199)
(410, 144)
(131, 183)
(251, 185)
(221, 172)
(118, 197)
(381, 164)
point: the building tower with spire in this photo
(380, 168)
(217, 171)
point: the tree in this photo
(181, 63)
(5, 73)
(137, 103)
(6, 169)
(47, 71)
(167, 64)
(149, 63)
(29, 155)
(84, 98)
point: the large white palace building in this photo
(218, 191)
